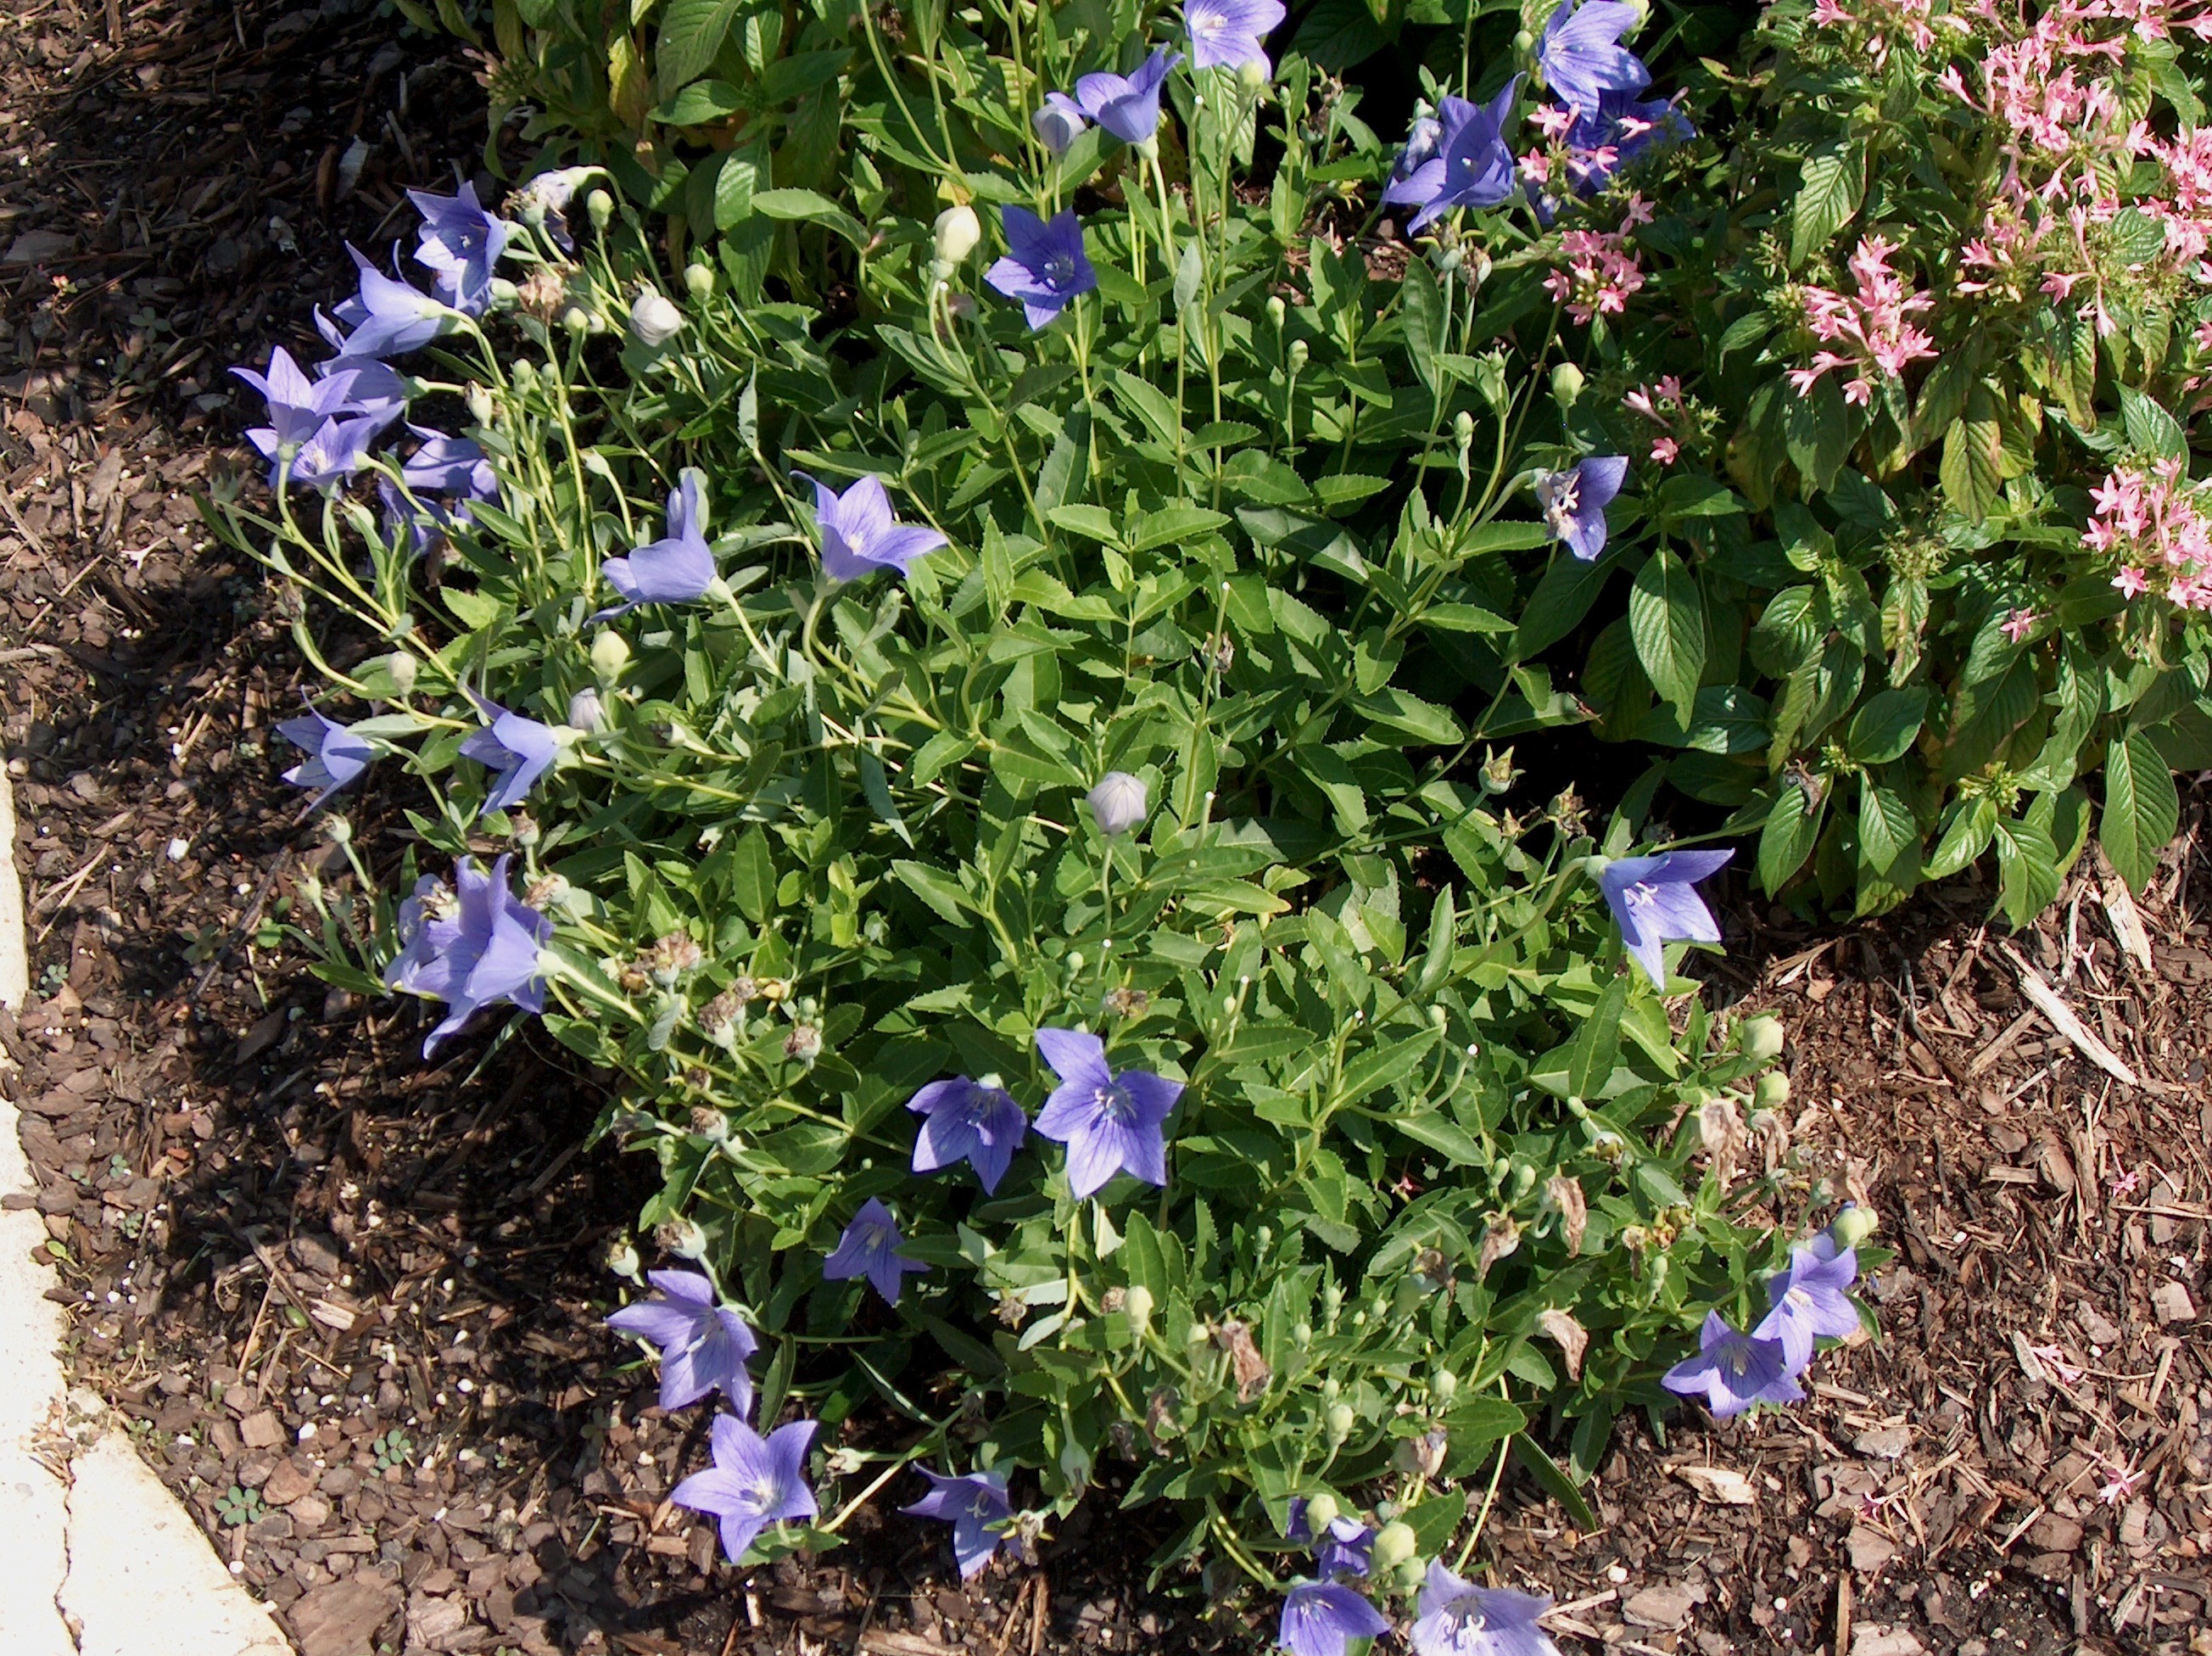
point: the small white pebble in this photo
(307, 1430)
(177, 848)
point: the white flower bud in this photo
(1853, 1225)
(1118, 803)
(1566, 385)
(479, 401)
(654, 320)
(1137, 1306)
(1321, 1512)
(1300, 353)
(1760, 1039)
(601, 206)
(402, 667)
(1394, 1543)
(585, 712)
(1771, 1091)
(958, 231)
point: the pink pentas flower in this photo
(2019, 624)
(1866, 331)
(2148, 523)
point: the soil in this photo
(351, 1304)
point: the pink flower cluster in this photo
(2150, 524)
(1866, 332)
(1663, 406)
(1601, 268)
(1877, 25)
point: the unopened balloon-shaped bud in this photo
(1567, 382)
(601, 207)
(654, 320)
(698, 280)
(610, 655)
(957, 232)
(1138, 1308)
(1118, 803)
(1771, 1091)
(1395, 1543)
(585, 711)
(1853, 1225)
(1760, 1039)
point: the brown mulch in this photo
(350, 1303)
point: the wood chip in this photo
(2061, 1017)
(2121, 914)
(1719, 1483)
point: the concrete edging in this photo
(95, 1543)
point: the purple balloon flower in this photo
(860, 536)
(461, 243)
(755, 1482)
(318, 433)
(1809, 1300)
(1733, 1370)
(870, 1248)
(1322, 1618)
(702, 1345)
(1128, 106)
(469, 948)
(1580, 56)
(1345, 1548)
(335, 755)
(1111, 1123)
(1652, 898)
(1458, 158)
(971, 1505)
(1574, 502)
(387, 317)
(1045, 267)
(515, 749)
(967, 1120)
(675, 569)
(1059, 122)
(1227, 34)
(449, 466)
(1458, 1618)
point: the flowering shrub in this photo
(1011, 784)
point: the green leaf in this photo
(752, 876)
(733, 192)
(1695, 495)
(1885, 726)
(1830, 184)
(1968, 825)
(1555, 1483)
(937, 888)
(1167, 526)
(1667, 620)
(1556, 608)
(1792, 829)
(2027, 870)
(691, 33)
(2141, 808)
(1597, 1044)
(1093, 523)
(1969, 471)
(1887, 826)
(699, 102)
(1421, 314)
(2149, 426)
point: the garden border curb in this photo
(96, 1542)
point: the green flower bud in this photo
(1463, 427)
(601, 206)
(1252, 75)
(1760, 1039)
(1566, 385)
(1302, 1334)
(1524, 43)
(1771, 1091)
(1395, 1543)
(1444, 1385)
(402, 668)
(503, 292)
(1853, 1225)
(1074, 961)
(1276, 311)
(699, 280)
(576, 320)
(1300, 353)
(1138, 1308)
(1322, 1511)
(610, 655)
(1405, 1575)
(1339, 1422)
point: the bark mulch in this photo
(350, 1305)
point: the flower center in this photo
(1642, 897)
(1112, 1105)
(1736, 1360)
(1061, 271)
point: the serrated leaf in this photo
(1791, 830)
(1830, 184)
(2149, 426)
(1970, 470)
(691, 33)
(1667, 620)
(2141, 808)
(1887, 826)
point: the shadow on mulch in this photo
(350, 1303)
